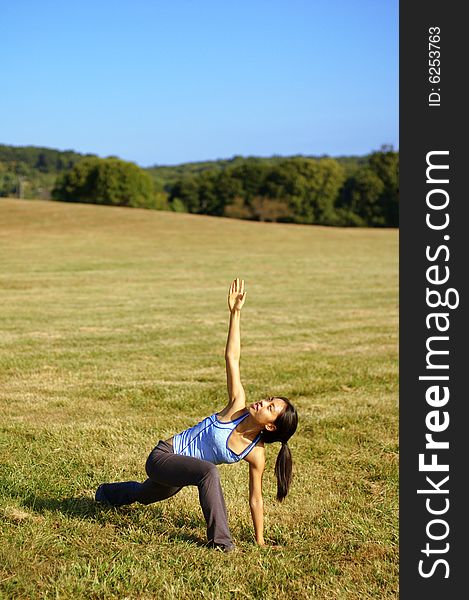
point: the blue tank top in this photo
(208, 440)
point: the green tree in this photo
(309, 186)
(228, 187)
(209, 201)
(371, 194)
(107, 181)
(361, 197)
(186, 192)
(8, 181)
(385, 163)
(251, 175)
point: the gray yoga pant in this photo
(167, 474)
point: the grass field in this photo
(113, 329)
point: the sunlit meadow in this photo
(113, 329)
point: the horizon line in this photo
(233, 157)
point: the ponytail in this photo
(283, 471)
(286, 424)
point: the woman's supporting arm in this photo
(256, 503)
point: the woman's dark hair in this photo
(286, 424)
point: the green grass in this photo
(113, 326)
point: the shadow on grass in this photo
(84, 507)
(75, 507)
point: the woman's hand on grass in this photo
(236, 295)
(269, 546)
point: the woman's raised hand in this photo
(236, 295)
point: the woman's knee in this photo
(211, 473)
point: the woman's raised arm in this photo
(236, 396)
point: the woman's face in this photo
(266, 411)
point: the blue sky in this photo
(165, 82)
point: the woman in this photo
(237, 432)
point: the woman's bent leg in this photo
(178, 471)
(128, 492)
(167, 474)
(213, 506)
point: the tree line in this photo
(297, 190)
(344, 191)
(31, 171)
